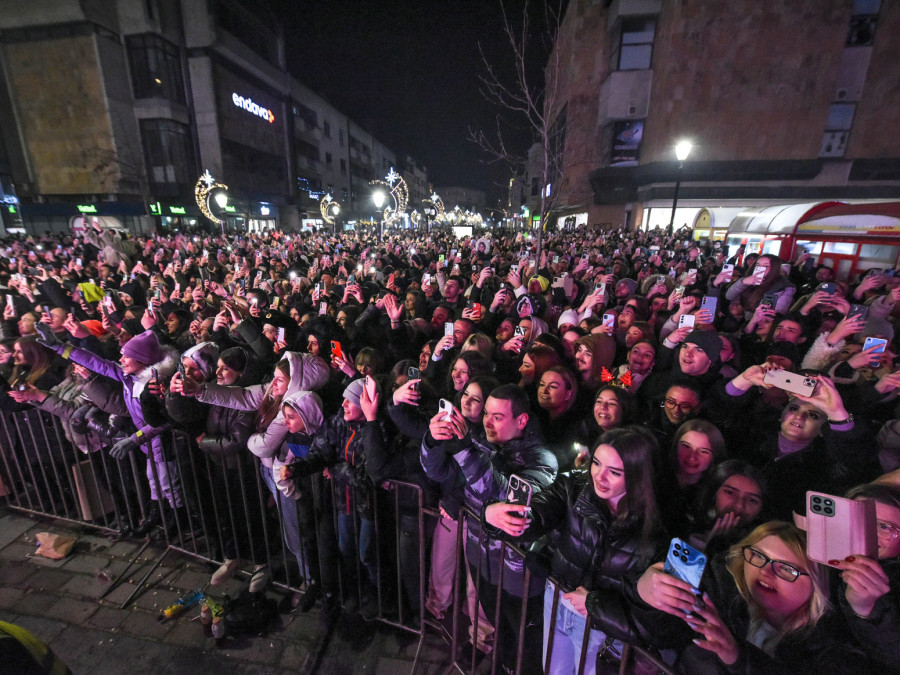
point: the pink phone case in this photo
(837, 527)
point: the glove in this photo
(47, 336)
(121, 449)
(80, 418)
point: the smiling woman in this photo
(604, 525)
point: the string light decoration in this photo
(435, 202)
(329, 208)
(399, 192)
(203, 191)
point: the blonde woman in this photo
(764, 609)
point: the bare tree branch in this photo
(537, 105)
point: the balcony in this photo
(625, 95)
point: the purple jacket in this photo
(132, 385)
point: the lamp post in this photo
(682, 150)
(378, 198)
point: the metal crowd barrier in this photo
(227, 510)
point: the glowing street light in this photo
(682, 150)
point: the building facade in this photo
(783, 101)
(114, 108)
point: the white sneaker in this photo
(260, 578)
(225, 572)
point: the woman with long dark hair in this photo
(603, 523)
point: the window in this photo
(343, 167)
(535, 186)
(341, 136)
(155, 68)
(837, 129)
(632, 44)
(326, 128)
(168, 151)
(863, 22)
(328, 159)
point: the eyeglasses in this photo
(683, 407)
(887, 531)
(782, 570)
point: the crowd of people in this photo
(629, 384)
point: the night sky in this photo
(408, 72)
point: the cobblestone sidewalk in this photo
(59, 601)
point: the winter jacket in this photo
(590, 548)
(296, 446)
(879, 633)
(825, 648)
(353, 453)
(133, 385)
(486, 469)
(307, 372)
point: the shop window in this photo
(811, 247)
(881, 253)
(632, 43)
(840, 248)
(155, 68)
(169, 154)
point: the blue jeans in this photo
(348, 547)
(568, 637)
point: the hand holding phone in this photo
(686, 563)
(792, 382)
(837, 527)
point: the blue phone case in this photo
(685, 562)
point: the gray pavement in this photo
(59, 601)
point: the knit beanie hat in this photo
(570, 316)
(353, 392)
(144, 348)
(785, 349)
(133, 327)
(708, 341)
(205, 355)
(542, 280)
(235, 358)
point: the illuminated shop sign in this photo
(253, 108)
(86, 208)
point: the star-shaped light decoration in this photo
(392, 176)
(208, 178)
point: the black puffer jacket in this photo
(486, 469)
(824, 648)
(879, 633)
(590, 547)
(354, 454)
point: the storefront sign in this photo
(253, 108)
(177, 210)
(86, 208)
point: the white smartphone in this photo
(370, 387)
(728, 271)
(281, 334)
(792, 382)
(759, 273)
(609, 320)
(687, 320)
(446, 408)
(448, 329)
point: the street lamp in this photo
(378, 198)
(682, 150)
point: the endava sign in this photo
(252, 107)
